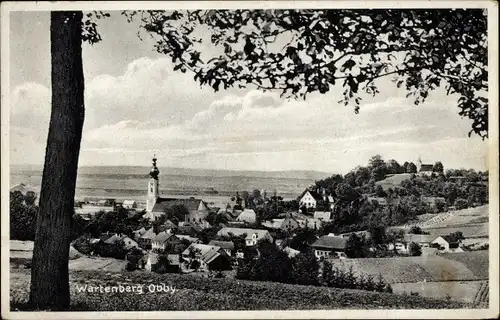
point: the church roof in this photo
(426, 168)
(191, 204)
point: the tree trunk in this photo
(49, 275)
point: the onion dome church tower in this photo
(153, 183)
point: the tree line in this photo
(272, 264)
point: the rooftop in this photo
(329, 242)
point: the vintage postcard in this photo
(249, 159)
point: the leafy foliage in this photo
(303, 51)
(22, 218)
(414, 249)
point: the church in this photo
(156, 205)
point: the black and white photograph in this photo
(250, 159)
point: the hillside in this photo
(418, 269)
(394, 180)
(193, 293)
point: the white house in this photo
(206, 255)
(129, 204)
(447, 244)
(128, 243)
(328, 246)
(252, 235)
(309, 199)
(424, 240)
(227, 246)
(162, 239)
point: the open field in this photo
(21, 252)
(472, 222)
(476, 261)
(393, 181)
(419, 269)
(469, 231)
(193, 293)
(466, 291)
(464, 217)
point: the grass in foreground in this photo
(194, 293)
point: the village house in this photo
(424, 240)
(433, 201)
(360, 233)
(129, 204)
(126, 241)
(227, 246)
(292, 253)
(323, 215)
(314, 224)
(164, 241)
(209, 257)
(377, 200)
(286, 224)
(253, 236)
(309, 199)
(151, 262)
(248, 216)
(188, 229)
(188, 238)
(329, 246)
(447, 244)
(145, 239)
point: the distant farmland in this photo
(419, 269)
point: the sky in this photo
(136, 105)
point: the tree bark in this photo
(49, 275)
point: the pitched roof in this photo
(128, 202)
(223, 244)
(247, 215)
(313, 193)
(191, 204)
(335, 243)
(188, 238)
(291, 252)
(162, 237)
(240, 231)
(273, 224)
(449, 239)
(419, 238)
(324, 215)
(207, 253)
(140, 232)
(116, 238)
(149, 234)
(187, 229)
(426, 168)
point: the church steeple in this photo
(154, 172)
(153, 186)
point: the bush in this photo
(415, 249)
